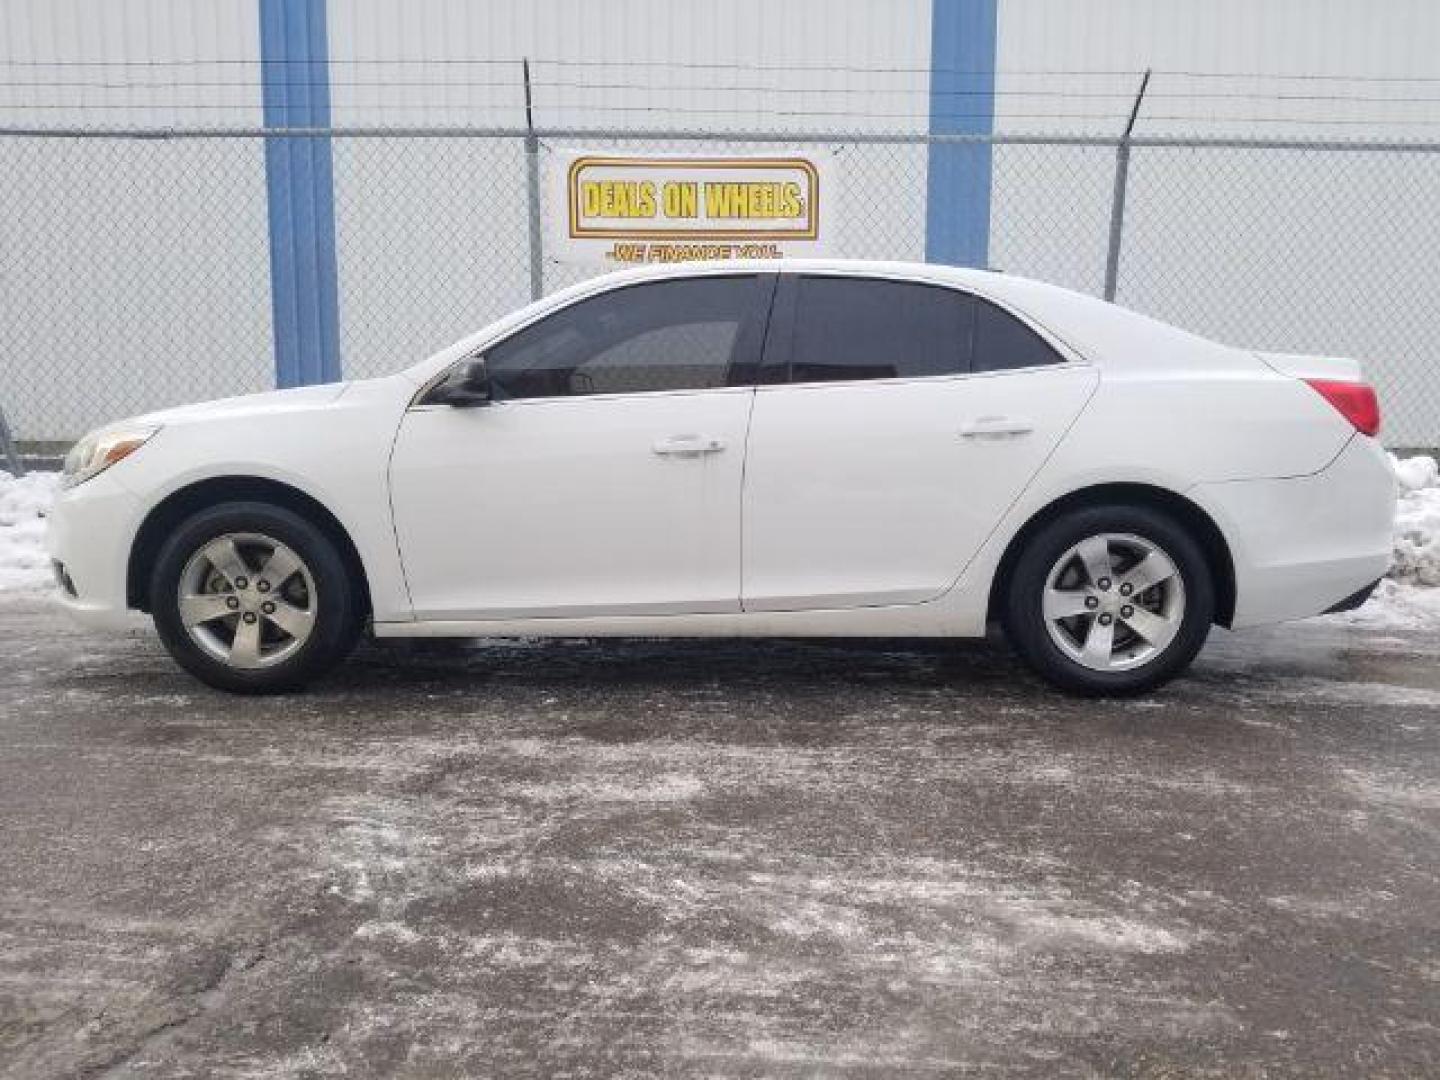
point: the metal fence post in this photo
(532, 191)
(1117, 202)
(7, 446)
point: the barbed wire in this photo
(742, 115)
(33, 88)
(1125, 94)
(826, 68)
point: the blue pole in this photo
(300, 190)
(962, 102)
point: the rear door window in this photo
(848, 328)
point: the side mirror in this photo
(467, 388)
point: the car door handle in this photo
(985, 427)
(688, 446)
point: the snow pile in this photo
(1417, 522)
(23, 502)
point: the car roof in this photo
(863, 267)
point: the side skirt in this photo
(939, 619)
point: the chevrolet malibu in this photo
(813, 448)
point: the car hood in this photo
(275, 401)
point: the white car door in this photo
(900, 422)
(605, 477)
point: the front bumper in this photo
(91, 528)
(1303, 545)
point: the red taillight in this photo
(1354, 401)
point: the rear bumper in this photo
(1355, 599)
(89, 535)
(1304, 545)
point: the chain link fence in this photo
(134, 266)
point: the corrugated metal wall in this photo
(1286, 250)
(139, 274)
(629, 63)
(1338, 49)
(162, 63)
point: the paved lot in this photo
(753, 859)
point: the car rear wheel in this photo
(252, 598)
(1110, 600)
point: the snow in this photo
(1417, 522)
(23, 502)
(1416, 473)
(1411, 593)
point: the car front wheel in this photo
(252, 598)
(1110, 600)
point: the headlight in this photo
(97, 451)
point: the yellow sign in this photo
(674, 209)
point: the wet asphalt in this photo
(779, 859)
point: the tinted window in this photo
(1003, 341)
(865, 328)
(669, 335)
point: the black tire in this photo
(1023, 614)
(338, 617)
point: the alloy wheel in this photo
(1113, 602)
(247, 600)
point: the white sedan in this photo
(813, 448)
